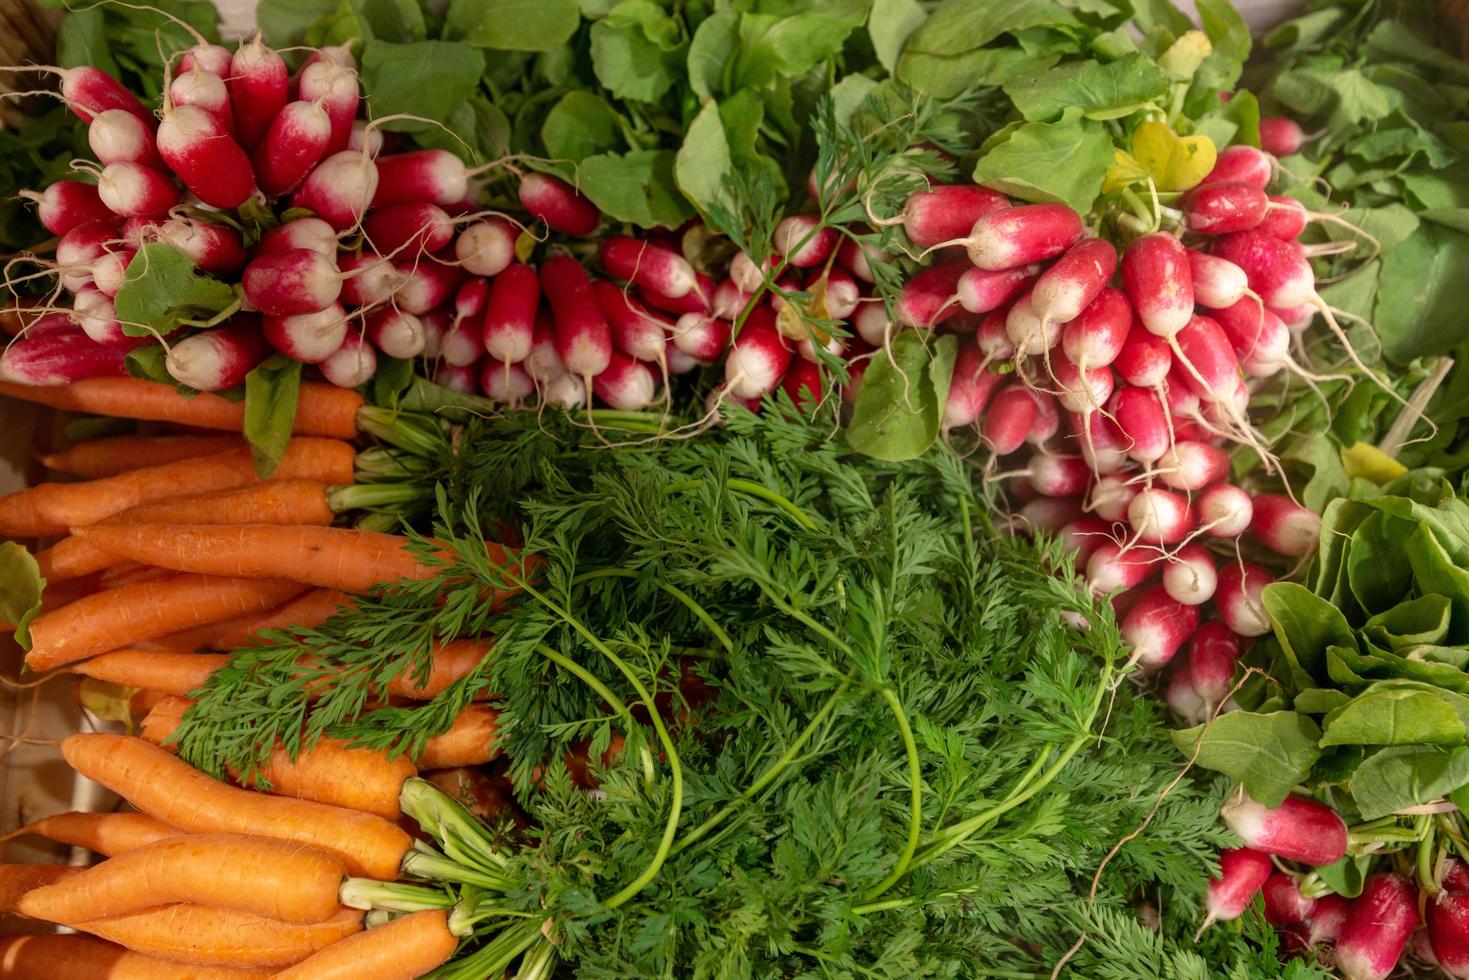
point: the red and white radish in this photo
(312, 233)
(695, 300)
(1284, 903)
(1012, 237)
(118, 136)
(1110, 497)
(559, 205)
(1028, 330)
(335, 86)
(758, 356)
(510, 314)
(583, 336)
(1156, 277)
(1074, 280)
(204, 91)
(1380, 921)
(60, 356)
(625, 384)
(1191, 465)
(1213, 651)
(508, 383)
(92, 310)
(970, 388)
(408, 230)
(1190, 577)
(1142, 423)
(1280, 136)
(1217, 282)
(702, 337)
(929, 296)
(353, 364)
(980, 290)
(1242, 872)
(307, 337)
(395, 332)
(215, 248)
(421, 176)
(205, 156)
(219, 358)
(259, 85)
(804, 241)
(89, 91)
(1224, 206)
(294, 281)
(947, 211)
(1284, 526)
(645, 264)
(1225, 511)
(1156, 627)
(1159, 516)
(485, 248)
(1447, 915)
(110, 270)
(339, 190)
(66, 204)
(131, 190)
(427, 284)
(1008, 421)
(635, 331)
(1238, 598)
(79, 248)
(295, 141)
(1300, 829)
(1112, 567)
(1243, 163)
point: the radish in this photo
(312, 233)
(408, 228)
(339, 189)
(970, 388)
(295, 141)
(1047, 420)
(1159, 516)
(460, 345)
(1073, 280)
(625, 384)
(1183, 700)
(92, 310)
(1081, 391)
(805, 384)
(1095, 337)
(60, 356)
(259, 85)
(928, 297)
(728, 301)
(1156, 627)
(872, 324)
(1059, 476)
(421, 177)
(583, 337)
(1285, 219)
(1280, 136)
(1224, 206)
(485, 248)
(559, 205)
(436, 325)
(79, 248)
(1242, 163)
(635, 331)
(1112, 567)
(1455, 877)
(1225, 511)
(804, 241)
(758, 356)
(838, 293)
(508, 383)
(307, 337)
(1083, 536)
(1013, 237)
(457, 377)
(118, 136)
(353, 364)
(1242, 872)
(368, 279)
(89, 92)
(1253, 330)
(746, 274)
(565, 391)
(1191, 577)
(1448, 931)
(1284, 526)
(1217, 282)
(1028, 331)
(66, 204)
(1300, 829)
(701, 337)
(946, 211)
(1008, 421)
(647, 265)
(980, 291)
(205, 156)
(1144, 359)
(695, 300)
(368, 139)
(1238, 595)
(294, 281)
(1049, 514)
(470, 300)
(339, 53)
(1284, 903)
(543, 363)
(1189, 465)
(858, 258)
(1212, 653)
(1379, 923)
(1110, 497)
(335, 86)
(1327, 919)
(510, 314)
(132, 190)
(204, 56)
(427, 283)
(396, 333)
(219, 358)
(214, 248)
(1156, 277)
(1140, 418)
(204, 91)
(1102, 446)
(110, 270)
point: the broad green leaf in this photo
(1416, 622)
(82, 40)
(1435, 571)
(1229, 36)
(21, 586)
(429, 79)
(1419, 310)
(899, 408)
(1392, 716)
(772, 47)
(1397, 778)
(512, 25)
(1100, 91)
(637, 187)
(848, 95)
(1347, 875)
(1320, 700)
(390, 380)
(957, 26)
(1269, 753)
(715, 42)
(1391, 40)
(704, 161)
(1063, 161)
(890, 25)
(162, 289)
(635, 51)
(399, 21)
(945, 76)
(271, 391)
(1305, 624)
(1377, 570)
(149, 363)
(580, 125)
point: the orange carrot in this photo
(19, 880)
(402, 949)
(321, 409)
(125, 573)
(103, 833)
(118, 454)
(451, 661)
(309, 609)
(176, 793)
(53, 957)
(51, 509)
(272, 502)
(221, 937)
(270, 878)
(329, 557)
(123, 616)
(469, 742)
(168, 671)
(328, 772)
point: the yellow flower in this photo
(1175, 162)
(1370, 463)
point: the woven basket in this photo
(27, 36)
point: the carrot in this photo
(19, 880)
(328, 772)
(309, 609)
(118, 454)
(119, 617)
(53, 957)
(469, 742)
(329, 557)
(272, 502)
(51, 509)
(451, 661)
(104, 833)
(321, 409)
(176, 793)
(221, 937)
(127, 573)
(404, 948)
(270, 878)
(168, 671)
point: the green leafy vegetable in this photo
(270, 409)
(163, 291)
(21, 585)
(901, 402)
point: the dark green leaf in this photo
(958, 26)
(284, 22)
(271, 390)
(82, 40)
(512, 25)
(1269, 753)
(1398, 778)
(1419, 310)
(1063, 161)
(715, 42)
(901, 402)
(389, 381)
(890, 25)
(1100, 91)
(162, 289)
(427, 79)
(1388, 715)
(580, 125)
(637, 187)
